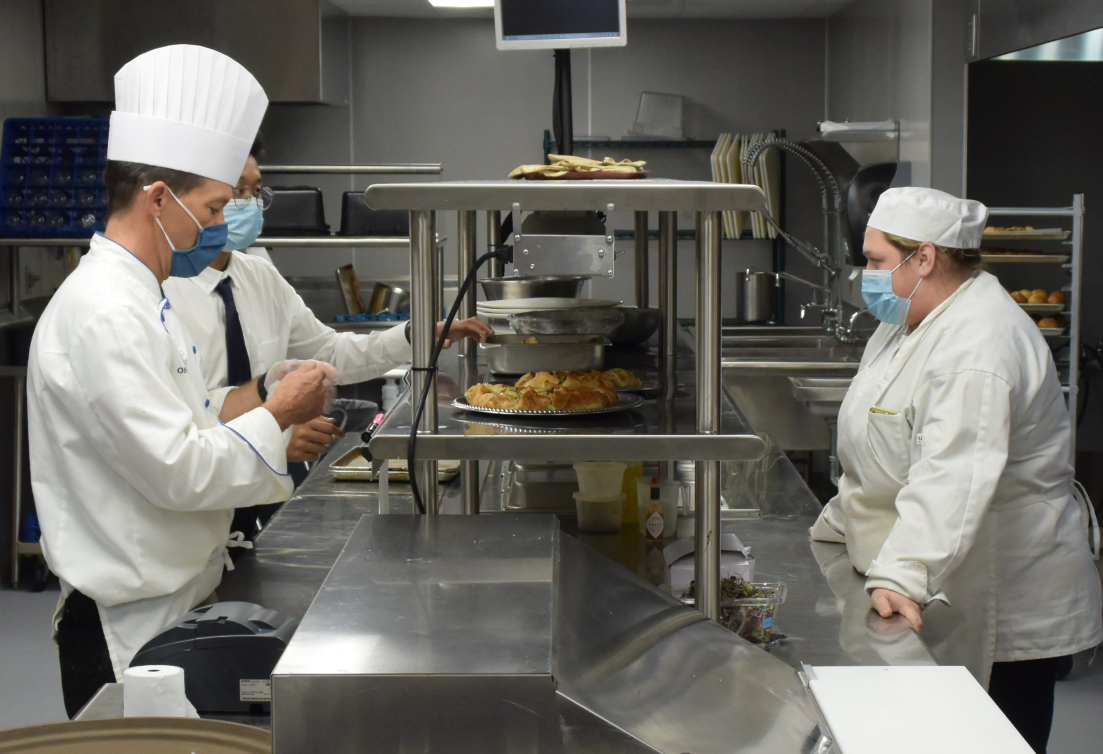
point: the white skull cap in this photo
(926, 214)
(187, 108)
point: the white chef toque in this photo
(925, 214)
(187, 108)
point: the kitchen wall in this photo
(439, 91)
(879, 67)
(22, 94)
(1031, 157)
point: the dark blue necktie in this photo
(238, 371)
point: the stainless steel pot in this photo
(533, 286)
(755, 295)
(510, 354)
(388, 298)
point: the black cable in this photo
(502, 253)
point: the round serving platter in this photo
(627, 401)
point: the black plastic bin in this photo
(295, 211)
(357, 219)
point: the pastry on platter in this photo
(622, 378)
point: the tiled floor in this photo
(30, 688)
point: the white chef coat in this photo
(277, 325)
(134, 478)
(957, 496)
(259, 251)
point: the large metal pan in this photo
(509, 354)
(533, 286)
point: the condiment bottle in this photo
(653, 515)
(631, 511)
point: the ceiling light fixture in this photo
(462, 3)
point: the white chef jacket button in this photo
(193, 349)
(207, 404)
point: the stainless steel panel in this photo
(1009, 25)
(766, 399)
(297, 50)
(660, 672)
(639, 195)
(430, 633)
(563, 255)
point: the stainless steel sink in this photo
(798, 359)
(821, 396)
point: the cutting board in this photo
(911, 710)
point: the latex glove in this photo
(472, 327)
(311, 440)
(283, 368)
(300, 396)
(278, 371)
(886, 602)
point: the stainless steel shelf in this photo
(277, 242)
(659, 195)
(625, 436)
(416, 168)
(374, 242)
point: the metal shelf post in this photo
(469, 469)
(707, 518)
(643, 283)
(422, 299)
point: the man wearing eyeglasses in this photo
(248, 322)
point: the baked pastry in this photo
(622, 378)
(1057, 297)
(531, 400)
(577, 399)
(543, 381)
(492, 396)
(1037, 298)
(1048, 322)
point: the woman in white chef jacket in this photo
(955, 443)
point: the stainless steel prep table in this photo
(826, 616)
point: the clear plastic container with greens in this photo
(748, 609)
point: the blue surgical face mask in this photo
(881, 300)
(245, 219)
(187, 263)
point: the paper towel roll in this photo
(155, 691)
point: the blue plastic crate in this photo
(51, 177)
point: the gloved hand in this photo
(278, 371)
(283, 368)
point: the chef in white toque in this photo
(134, 477)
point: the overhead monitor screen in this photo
(535, 24)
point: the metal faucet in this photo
(848, 334)
(831, 259)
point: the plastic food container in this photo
(598, 516)
(600, 480)
(753, 618)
